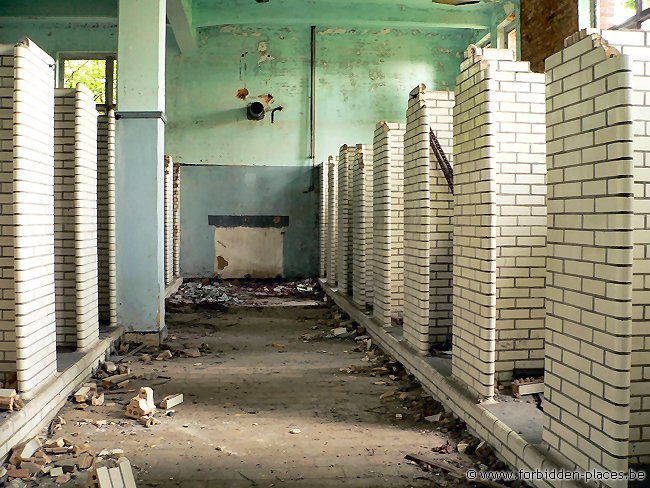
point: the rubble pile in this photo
(10, 401)
(61, 459)
(196, 293)
(270, 288)
(218, 294)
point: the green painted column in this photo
(140, 130)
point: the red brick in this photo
(544, 26)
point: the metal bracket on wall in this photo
(249, 220)
(141, 115)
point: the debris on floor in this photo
(10, 400)
(120, 476)
(170, 401)
(420, 406)
(527, 386)
(142, 404)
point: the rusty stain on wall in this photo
(267, 98)
(242, 93)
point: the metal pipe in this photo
(312, 108)
(276, 109)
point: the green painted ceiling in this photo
(205, 13)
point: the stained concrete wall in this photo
(248, 190)
(355, 87)
(361, 77)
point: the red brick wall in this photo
(544, 26)
(607, 8)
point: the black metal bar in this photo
(443, 162)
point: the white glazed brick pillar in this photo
(64, 217)
(388, 222)
(86, 219)
(439, 110)
(428, 212)
(177, 219)
(76, 224)
(362, 249)
(474, 263)
(518, 110)
(332, 219)
(106, 216)
(344, 259)
(323, 217)
(500, 119)
(169, 219)
(590, 255)
(33, 220)
(636, 45)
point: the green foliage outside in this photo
(90, 72)
(630, 4)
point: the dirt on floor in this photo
(284, 392)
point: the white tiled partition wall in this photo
(344, 249)
(177, 219)
(362, 249)
(499, 232)
(388, 222)
(169, 219)
(323, 218)
(518, 113)
(590, 255)
(332, 219)
(636, 45)
(27, 325)
(106, 217)
(597, 341)
(75, 218)
(428, 208)
(86, 218)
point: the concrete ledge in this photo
(507, 443)
(49, 399)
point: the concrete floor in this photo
(243, 399)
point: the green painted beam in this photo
(179, 15)
(208, 13)
(58, 11)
